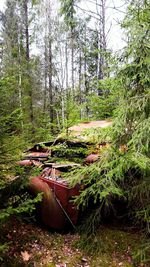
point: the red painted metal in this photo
(62, 194)
(49, 210)
(25, 163)
(28, 162)
(92, 158)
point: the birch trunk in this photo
(28, 63)
(101, 42)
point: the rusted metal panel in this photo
(39, 154)
(50, 212)
(92, 158)
(65, 194)
(25, 163)
(28, 163)
(62, 194)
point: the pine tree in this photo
(123, 170)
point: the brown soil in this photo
(30, 245)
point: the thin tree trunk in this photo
(66, 65)
(45, 76)
(72, 60)
(50, 67)
(86, 90)
(20, 79)
(104, 24)
(101, 42)
(58, 121)
(51, 112)
(80, 78)
(62, 87)
(63, 108)
(28, 63)
(26, 30)
(67, 83)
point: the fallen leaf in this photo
(25, 255)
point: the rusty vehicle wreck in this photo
(57, 209)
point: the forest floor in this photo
(30, 245)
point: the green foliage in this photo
(102, 107)
(100, 185)
(3, 248)
(123, 170)
(64, 151)
(25, 207)
(42, 131)
(142, 254)
(132, 125)
(98, 135)
(14, 199)
(68, 10)
(72, 117)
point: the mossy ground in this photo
(50, 249)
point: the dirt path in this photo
(30, 245)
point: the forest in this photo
(63, 63)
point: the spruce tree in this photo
(122, 172)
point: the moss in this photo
(111, 246)
(63, 151)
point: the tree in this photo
(101, 10)
(122, 173)
(68, 10)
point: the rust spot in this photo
(25, 163)
(38, 154)
(50, 173)
(92, 158)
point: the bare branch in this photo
(89, 11)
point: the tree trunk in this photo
(101, 43)
(28, 64)
(51, 111)
(80, 79)
(20, 77)
(72, 59)
(86, 89)
(45, 76)
(66, 64)
(26, 30)
(67, 83)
